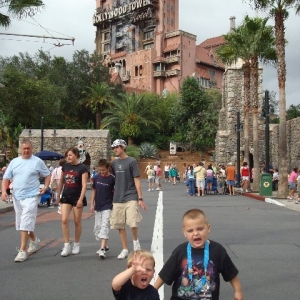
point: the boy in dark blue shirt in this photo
(101, 204)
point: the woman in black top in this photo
(73, 181)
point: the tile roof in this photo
(118, 54)
(159, 59)
(203, 73)
(206, 52)
(171, 47)
(213, 42)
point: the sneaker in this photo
(76, 248)
(33, 245)
(102, 253)
(106, 249)
(290, 198)
(136, 245)
(158, 189)
(66, 250)
(247, 191)
(297, 202)
(59, 209)
(123, 254)
(148, 190)
(21, 256)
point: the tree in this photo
(97, 97)
(293, 112)
(252, 41)
(278, 9)
(128, 114)
(18, 8)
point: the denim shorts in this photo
(292, 185)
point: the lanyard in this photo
(205, 263)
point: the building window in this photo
(148, 46)
(106, 47)
(212, 73)
(106, 36)
(141, 70)
(149, 35)
(136, 71)
(157, 67)
(172, 22)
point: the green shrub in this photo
(148, 150)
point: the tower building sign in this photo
(102, 15)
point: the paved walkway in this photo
(290, 204)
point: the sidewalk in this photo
(5, 207)
(290, 204)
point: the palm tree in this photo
(128, 115)
(252, 41)
(18, 8)
(97, 97)
(278, 9)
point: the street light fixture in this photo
(238, 127)
(267, 113)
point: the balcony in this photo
(172, 59)
(172, 72)
(159, 73)
(125, 77)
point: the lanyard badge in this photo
(201, 286)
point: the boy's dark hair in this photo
(103, 163)
(193, 214)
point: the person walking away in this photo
(209, 179)
(55, 179)
(292, 183)
(158, 177)
(101, 204)
(298, 188)
(191, 181)
(151, 178)
(194, 267)
(200, 172)
(25, 171)
(245, 173)
(127, 196)
(73, 184)
(275, 179)
(173, 174)
(230, 178)
(134, 282)
(167, 173)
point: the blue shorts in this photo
(292, 185)
(230, 182)
(209, 180)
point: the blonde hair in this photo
(138, 253)
(194, 214)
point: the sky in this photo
(205, 19)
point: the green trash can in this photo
(265, 184)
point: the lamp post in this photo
(42, 133)
(266, 114)
(238, 128)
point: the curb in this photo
(256, 197)
(6, 209)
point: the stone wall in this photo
(233, 102)
(226, 138)
(97, 142)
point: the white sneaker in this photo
(59, 209)
(21, 256)
(102, 253)
(66, 250)
(148, 190)
(33, 245)
(136, 245)
(76, 248)
(123, 254)
(106, 249)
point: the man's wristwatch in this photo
(140, 199)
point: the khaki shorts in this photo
(125, 213)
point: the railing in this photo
(172, 59)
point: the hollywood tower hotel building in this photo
(141, 41)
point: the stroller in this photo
(46, 198)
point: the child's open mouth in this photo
(144, 280)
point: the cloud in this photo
(208, 19)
